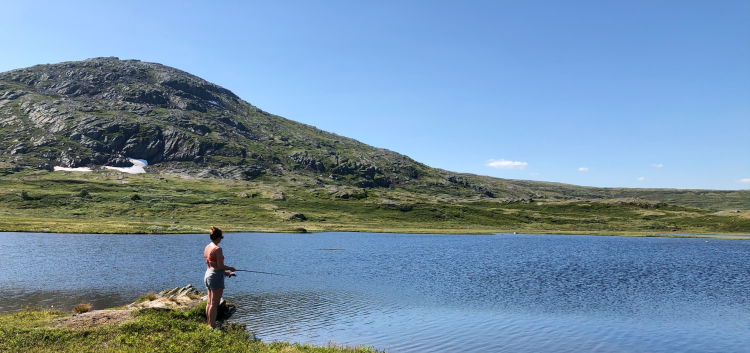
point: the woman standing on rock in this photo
(215, 273)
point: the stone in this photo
(294, 216)
(225, 310)
(177, 292)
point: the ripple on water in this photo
(417, 293)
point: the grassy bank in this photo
(112, 202)
(151, 330)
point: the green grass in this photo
(151, 330)
(148, 297)
(110, 202)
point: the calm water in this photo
(420, 293)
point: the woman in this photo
(215, 273)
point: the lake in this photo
(419, 293)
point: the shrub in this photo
(83, 194)
(359, 195)
(404, 208)
(81, 308)
(186, 229)
(214, 200)
(156, 230)
(135, 197)
(148, 297)
(194, 295)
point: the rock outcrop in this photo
(101, 111)
(184, 298)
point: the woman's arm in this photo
(220, 261)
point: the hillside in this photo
(99, 112)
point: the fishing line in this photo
(267, 273)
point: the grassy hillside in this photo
(112, 202)
(102, 111)
(715, 200)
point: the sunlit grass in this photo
(56, 202)
(28, 318)
(151, 330)
(148, 297)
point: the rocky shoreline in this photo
(184, 298)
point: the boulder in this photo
(278, 195)
(225, 311)
(176, 292)
(294, 216)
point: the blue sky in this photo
(603, 93)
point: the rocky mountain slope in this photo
(101, 111)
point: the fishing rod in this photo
(267, 273)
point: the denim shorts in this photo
(214, 279)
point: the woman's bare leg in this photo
(209, 302)
(215, 300)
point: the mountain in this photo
(102, 111)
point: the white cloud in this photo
(583, 169)
(503, 164)
(641, 179)
(657, 166)
(534, 173)
(746, 180)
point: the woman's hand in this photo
(229, 274)
(230, 268)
